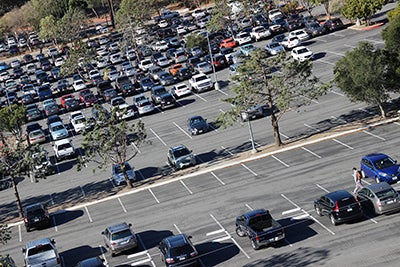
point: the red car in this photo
(69, 102)
(228, 43)
(87, 98)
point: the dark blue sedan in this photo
(197, 125)
(380, 167)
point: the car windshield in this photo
(160, 91)
(58, 127)
(64, 146)
(302, 51)
(181, 152)
(258, 223)
(121, 234)
(384, 163)
(80, 120)
(181, 250)
(196, 120)
(35, 213)
(386, 193)
(201, 78)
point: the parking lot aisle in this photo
(243, 165)
(170, 191)
(158, 137)
(203, 183)
(139, 200)
(182, 130)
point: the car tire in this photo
(28, 229)
(333, 221)
(254, 245)
(318, 211)
(240, 232)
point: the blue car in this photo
(118, 175)
(380, 167)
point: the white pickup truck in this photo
(200, 83)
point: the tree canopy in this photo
(361, 9)
(279, 82)
(193, 40)
(113, 141)
(391, 35)
(367, 74)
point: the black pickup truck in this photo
(260, 227)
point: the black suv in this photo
(178, 250)
(167, 100)
(340, 206)
(36, 216)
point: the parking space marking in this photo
(200, 97)
(103, 255)
(396, 123)
(137, 149)
(320, 39)
(339, 119)
(83, 192)
(250, 170)
(351, 46)
(122, 205)
(343, 144)
(159, 138)
(222, 92)
(88, 214)
(218, 179)
(338, 34)
(325, 62)
(177, 229)
(337, 93)
(55, 223)
(187, 188)
(248, 206)
(312, 153)
(151, 192)
(112, 182)
(321, 187)
(286, 165)
(227, 150)
(183, 130)
(287, 137)
(374, 41)
(308, 214)
(19, 233)
(335, 53)
(143, 260)
(311, 127)
(367, 111)
(229, 235)
(374, 135)
(290, 211)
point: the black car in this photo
(340, 206)
(36, 216)
(197, 125)
(167, 100)
(156, 92)
(53, 118)
(33, 127)
(178, 250)
(27, 98)
(184, 74)
(91, 262)
(333, 24)
(315, 29)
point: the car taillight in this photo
(169, 260)
(379, 203)
(26, 220)
(336, 209)
(193, 254)
(257, 238)
(113, 243)
(58, 260)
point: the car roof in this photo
(34, 206)
(375, 156)
(176, 240)
(337, 195)
(118, 227)
(255, 212)
(377, 187)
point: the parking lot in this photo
(205, 205)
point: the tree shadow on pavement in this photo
(72, 256)
(214, 253)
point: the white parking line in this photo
(151, 192)
(112, 182)
(228, 234)
(222, 92)
(367, 111)
(343, 144)
(218, 179)
(250, 170)
(305, 212)
(137, 149)
(290, 211)
(335, 53)
(313, 128)
(177, 229)
(55, 224)
(374, 135)
(396, 123)
(319, 186)
(142, 253)
(312, 153)
(286, 165)
(103, 255)
(374, 41)
(339, 119)
(183, 130)
(19, 233)
(325, 62)
(351, 46)
(230, 153)
(122, 205)
(338, 34)
(200, 97)
(287, 137)
(88, 214)
(83, 192)
(187, 188)
(159, 138)
(337, 93)
(248, 206)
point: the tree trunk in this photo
(110, 4)
(328, 13)
(19, 205)
(275, 126)
(382, 110)
(95, 13)
(127, 180)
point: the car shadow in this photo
(186, 101)
(319, 55)
(64, 216)
(296, 230)
(152, 238)
(214, 253)
(308, 42)
(72, 256)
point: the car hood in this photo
(199, 125)
(395, 169)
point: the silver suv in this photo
(119, 238)
(41, 252)
(180, 157)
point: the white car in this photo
(163, 24)
(113, 75)
(124, 111)
(180, 90)
(94, 73)
(242, 38)
(162, 61)
(302, 53)
(199, 13)
(130, 54)
(259, 33)
(181, 30)
(103, 40)
(101, 62)
(30, 68)
(78, 121)
(79, 85)
(129, 71)
(145, 64)
(290, 42)
(274, 13)
(301, 34)
(143, 104)
(160, 46)
(4, 76)
(58, 62)
(200, 83)
(115, 58)
(64, 149)
(113, 47)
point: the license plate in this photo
(394, 178)
(168, 103)
(36, 220)
(389, 202)
(349, 209)
(181, 258)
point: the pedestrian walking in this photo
(357, 175)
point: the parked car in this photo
(302, 53)
(180, 90)
(379, 198)
(274, 48)
(180, 157)
(315, 29)
(197, 125)
(63, 149)
(143, 105)
(156, 93)
(33, 113)
(36, 137)
(178, 250)
(333, 24)
(340, 206)
(166, 78)
(58, 131)
(91, 262)
(381, 168)
(50, 107)
(118, 175)
(119, 237)
(167, 100)
(36, 216)
(41, 252)
(290, 42)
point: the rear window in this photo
(64, 146)
(258, 223)
(121, 234)
(181, 152)
(386, 193)
(181, 250)
(346, 201)
(34, 213)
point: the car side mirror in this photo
(103, 233)
(53, 241)
(23, 250)
(130, 225)
(190, 237)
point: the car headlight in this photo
(382, 174)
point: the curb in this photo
(360, 28)
(224, 165)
